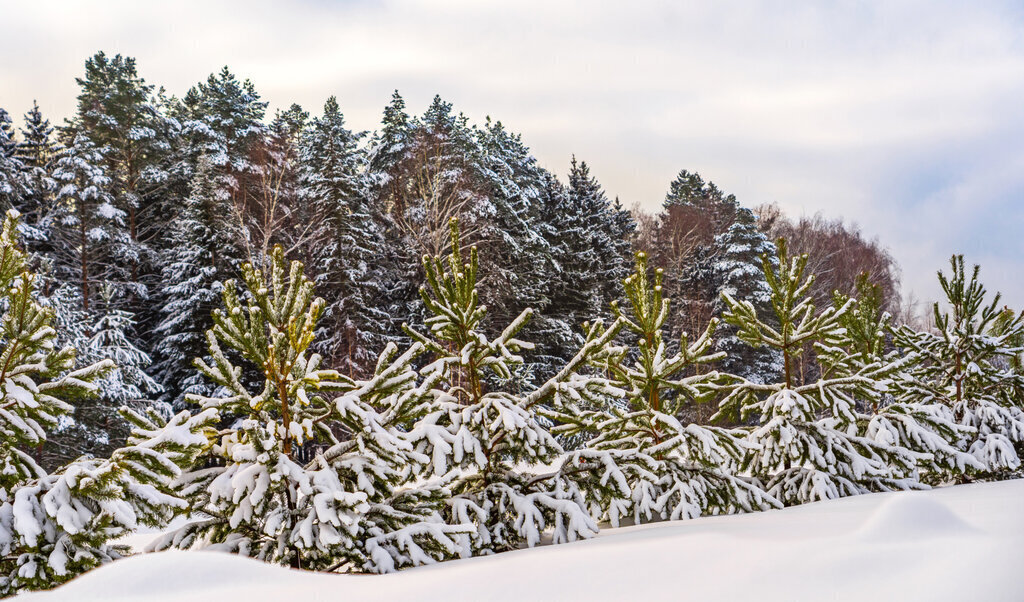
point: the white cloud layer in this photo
(902, 116)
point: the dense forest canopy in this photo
(140, 205)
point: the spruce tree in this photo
(91, 242)
(54, 526)
(738, 273)
(203, 254)
(519, 256)
(645, 463)
(804, 444)
(348, 242)
(590, 243)
(279, 483)
(36, 151)
(12, 186)
(966, 365)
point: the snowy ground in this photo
(958, 543)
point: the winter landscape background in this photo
(265, 332)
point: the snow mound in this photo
(952, 544)
(913, 515)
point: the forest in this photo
(360, 351)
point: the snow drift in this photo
(958, 543)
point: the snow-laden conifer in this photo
(309, 470)
(806, 447)
(505, 470)
(644, 463)
(737, 271)
(12, 183)
(56, 525)
(346, 242)
(967, 365)
(929, 429)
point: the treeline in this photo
(139, 207)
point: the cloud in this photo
(901, 116)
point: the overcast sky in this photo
(904, 117)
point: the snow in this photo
(956, 543)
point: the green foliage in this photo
(643, 462)
(499, 451)
(804, 444)
(966, 364)
(56, 526)
(310, 472)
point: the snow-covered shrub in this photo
(928, 429)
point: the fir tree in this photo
(966, 366)
(804, 446)
(646, 464)
(340, 507)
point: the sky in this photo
(903, 117)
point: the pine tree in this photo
(424, 172)
(804, 445)
(689, 190)
(117, 112)
(56, 526)
(494, 440)
(646, 464)
(222, 121)
(283, 487)
(737, 268)
(929, 429)
(694, 212)
(966, 366)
